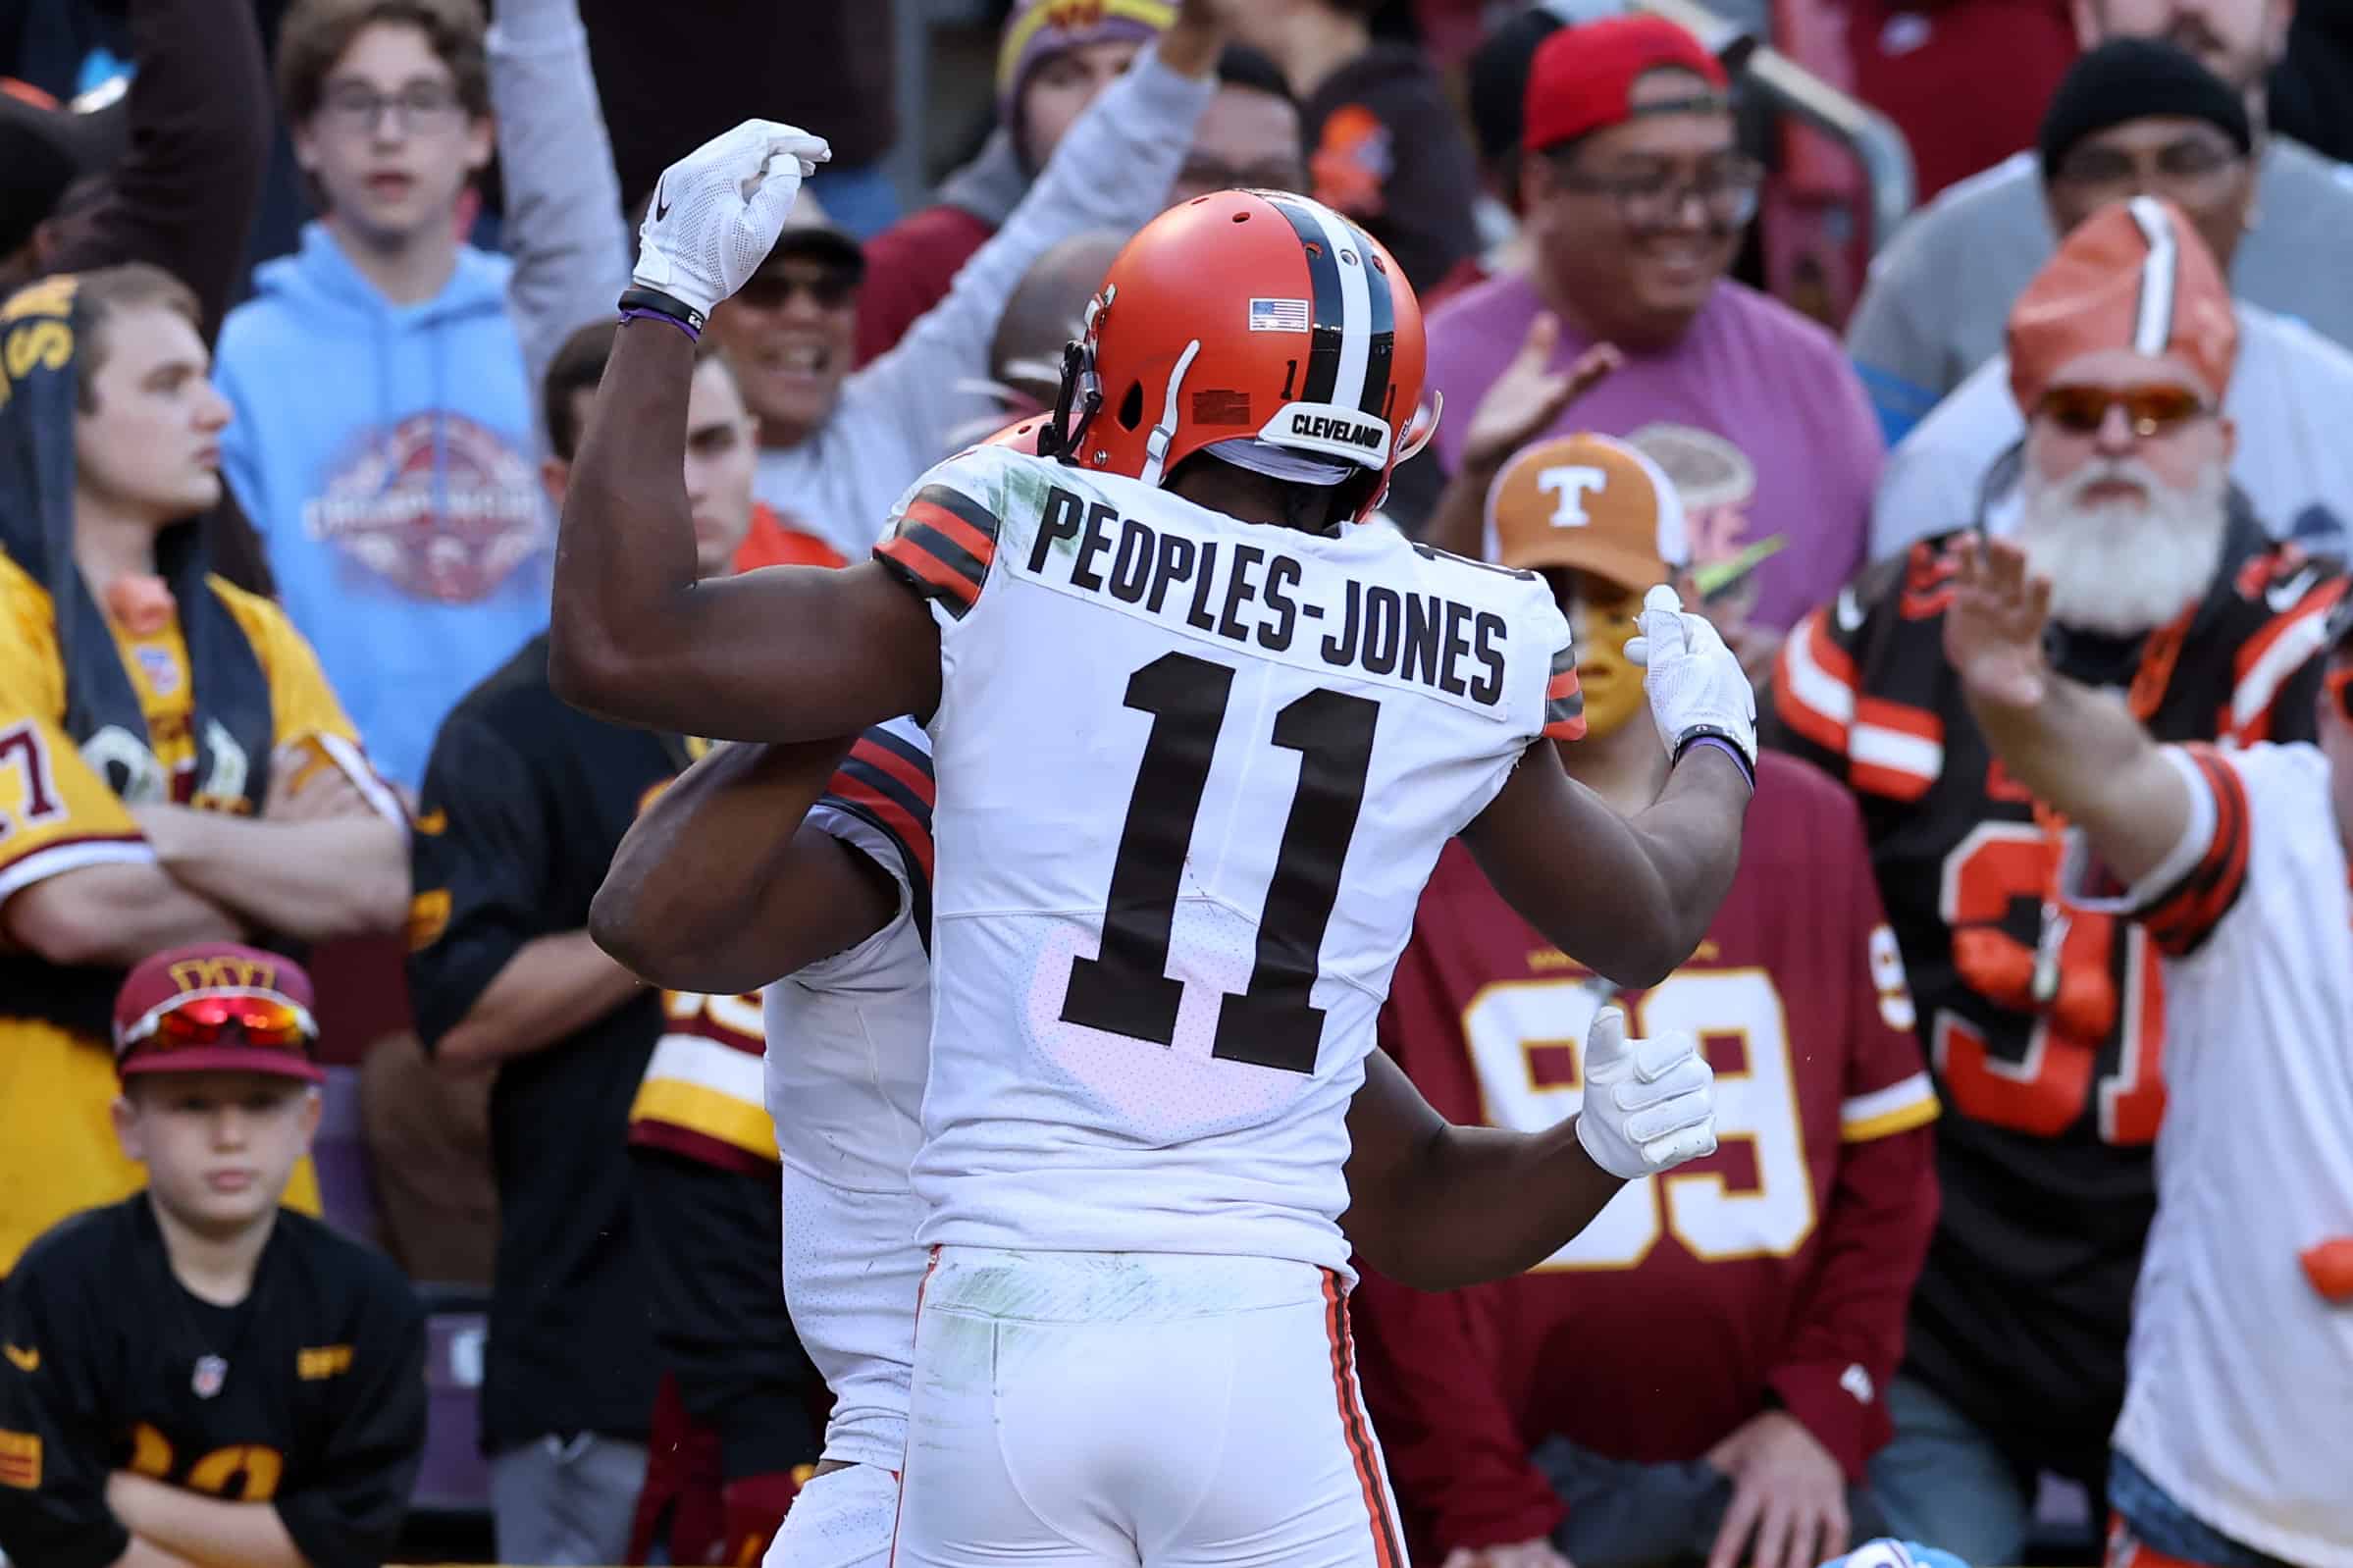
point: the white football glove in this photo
(1693, 681)
(717, 211)
(1649, 1104)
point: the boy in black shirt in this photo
(195, 1374)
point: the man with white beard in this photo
(2139, 116)
(2042, 1017)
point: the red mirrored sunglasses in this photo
(223, 1018)
(2148, 410)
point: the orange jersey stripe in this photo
(917, 781)
(952, 583)
(1356, 1431)
(983, 546)
(916, 836)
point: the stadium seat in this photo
(455, 1478)
(347, 1191)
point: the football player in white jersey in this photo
(1199, 742)
(2231, 1448)
(707, 890)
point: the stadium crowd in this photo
(2030, 533)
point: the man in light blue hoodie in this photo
(385, 446)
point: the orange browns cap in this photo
(1590, 503)
(2133, 275)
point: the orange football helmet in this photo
(1022, 434)
(1241, 314)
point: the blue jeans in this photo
(2165, 1526)
(566, 1501)
(1941, 1482)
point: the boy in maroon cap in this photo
(195, 1374)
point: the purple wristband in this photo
(635, 313)
(1727, 747)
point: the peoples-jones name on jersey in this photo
(1246, 594)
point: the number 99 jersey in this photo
(1193, 773)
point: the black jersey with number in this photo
(2050, 1082)
(308, 1395)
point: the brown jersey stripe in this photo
(928, 575)
(977, 543)
(1564, 716)
(966, 565)
(957, 504)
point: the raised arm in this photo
(1632, 897)
(719, 886)
(2078, 752)
(789, 653)
(1516, 409)
(1629, 896)
(564, 229)
(1111, 169)
(186, 192)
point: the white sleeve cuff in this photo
(2197, 836)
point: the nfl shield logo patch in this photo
(211, 1372)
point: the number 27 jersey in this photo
(1192, 775)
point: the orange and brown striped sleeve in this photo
(1564, 700)
(941, 547)
(2185, 914)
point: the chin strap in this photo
(1418, 434)
(1156, 445)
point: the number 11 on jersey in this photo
(1126, 990)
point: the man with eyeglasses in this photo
(2230, 1448)
(2044, 1017)
(384, 446)
(195, 1374)
(2133, 113)
(1635, 194)
(836, 444)
(1933, 309)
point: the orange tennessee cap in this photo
(1590, 503)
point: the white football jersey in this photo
(849, 1039)
(2239, 1388)
(1193, 773)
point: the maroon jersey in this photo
(1779, 1265)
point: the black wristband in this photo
(638, 297)
(1722, 737)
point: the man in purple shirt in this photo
(1635, 193)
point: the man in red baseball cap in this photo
(1635, 194)
(264, 1375)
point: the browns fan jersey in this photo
(1780, 1264)
(2044, 1021)
(308, 1395)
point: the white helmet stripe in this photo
(1356, 307)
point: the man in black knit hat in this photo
(2137, 113)
(1938, 295)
